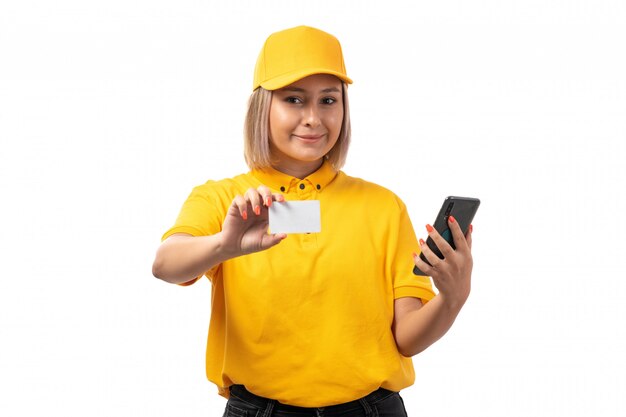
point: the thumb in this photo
(272, 240)
(468, 236)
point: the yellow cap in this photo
(292, 54)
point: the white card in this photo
(295, 217)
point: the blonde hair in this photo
(257, 132)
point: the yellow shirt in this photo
(308, 322)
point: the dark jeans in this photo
(380, 403)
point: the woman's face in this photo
(305, 122)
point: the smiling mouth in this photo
(309, 138)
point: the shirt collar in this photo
(280, 181)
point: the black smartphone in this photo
(463, 209)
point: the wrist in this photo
(223, 250)
(454, 302)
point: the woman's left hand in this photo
(451, 275)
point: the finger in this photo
(423, 266)
(444, 247)
(430, 256)
(241, 205)
(266, 195)
(457, 234)
(252, 195)
(278, 197)
(468, 236)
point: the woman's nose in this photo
(311, 116)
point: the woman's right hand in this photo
(181, 258)
(245, 227)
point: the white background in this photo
(110, 112)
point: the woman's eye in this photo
(293, 100)
(328, 100)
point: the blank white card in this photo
(295, 217)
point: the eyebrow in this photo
(302, 90)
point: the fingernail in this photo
(414, 255)
(471, 228)
(429, 228)
(245, 215)
(422, 242)
(451, 218)
(281, 198)
(268, 201)
(257, 210)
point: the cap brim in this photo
(289, 78)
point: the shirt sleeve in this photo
(201, 215)
(405, 283)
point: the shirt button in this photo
(319, 186)
(302, 186)
(282, 189)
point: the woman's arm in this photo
(416, 327)
(183, 257)
(419, 326)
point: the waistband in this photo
(242, 393)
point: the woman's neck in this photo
(300, 169)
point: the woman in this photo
(314, 323)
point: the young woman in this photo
(315, 323)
